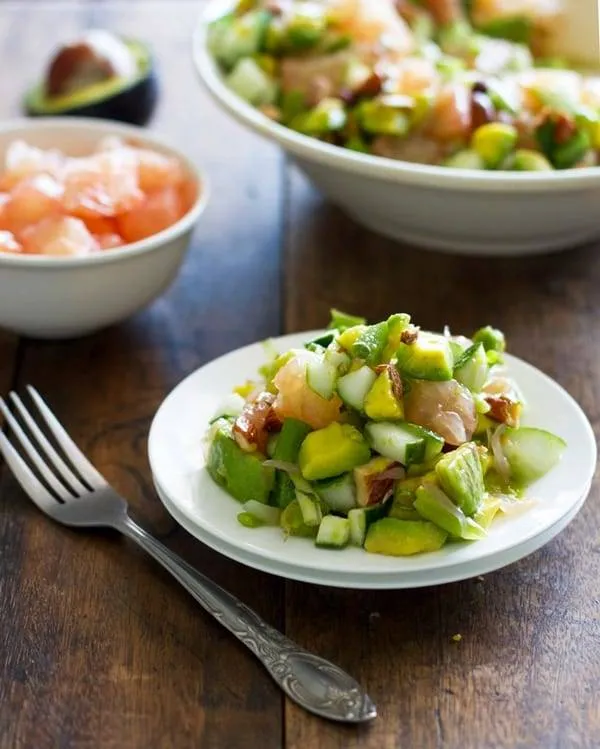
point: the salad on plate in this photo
(383, 436)
(442, 82)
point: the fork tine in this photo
(26, 444)
(83, 465)
(29, 483)
(59, 464)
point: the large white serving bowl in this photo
(63, 297)
(469, 212)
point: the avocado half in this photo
(131, 100)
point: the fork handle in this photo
(312, 682)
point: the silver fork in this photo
(81, 497)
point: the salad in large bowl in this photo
(384, 436)
(442, 82)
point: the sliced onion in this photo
(281, 465)
(513, 505)
(500, 460)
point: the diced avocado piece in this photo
(494, 141)
(465, 159)
(370, 343)
(491, 338)
(252, 83)
(433, 505)
(403, 442)
(422, 469)
(563, 152)
(400, 538)
(333, 450)
(376, 118)
(341, 321)
(370, 488)
(514, 28)
(354, 387)
(530, 452)
(290, 438)
(487, 512)
(328, 116)
(405, 491)
(381, 402)
(460, 475)
(292, 521)
(233, 38)
(348, 336)
(526, 160)
(397, 324)
(338, 493)
(471, 370)
(334, 532)
(429, 357)
(292, 103)
(241, 474)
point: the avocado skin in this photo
(134, 105)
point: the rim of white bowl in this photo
(22, 126)
(380, 167)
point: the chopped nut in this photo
(409, 335)
(503, 409)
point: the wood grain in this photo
(527, 670)
(101, 648)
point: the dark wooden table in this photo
(99, 648)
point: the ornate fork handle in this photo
(318, 685)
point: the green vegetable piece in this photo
(487, 512)
(248, 520)
(287, 448)
(569, 154)
(403, 442)
(468, 158)
(376, 118)
(354, 387)
(270, 368)
(531, 453)
(335, 42)
(333, 450)
(492, 339)
(381, 403)
(328, 116)
(341, 321)
(397, 324)
(514, 28)
(357, 143)
(460, 475)
(241, 474)
(310, 507)
(292, 104)
(401, 512)
(370, 489)
(338, 493)
(370, 343)
(293, 523)
(525, 160)
(471, 370)
(347, 338)
(357, 519)
(450, 67)
(334, 532)
(433, 505)
(233, 38)
(306, 27)
(400, 538)
(429, 357)
(252, 83)
(493, 142)
(455, 38)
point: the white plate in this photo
(204, 509)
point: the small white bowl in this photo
(469, 212)
(56, 297)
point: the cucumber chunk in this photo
(403, 442)
(353, 387)
(334, 532)
(530, 452)
(339, 493)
